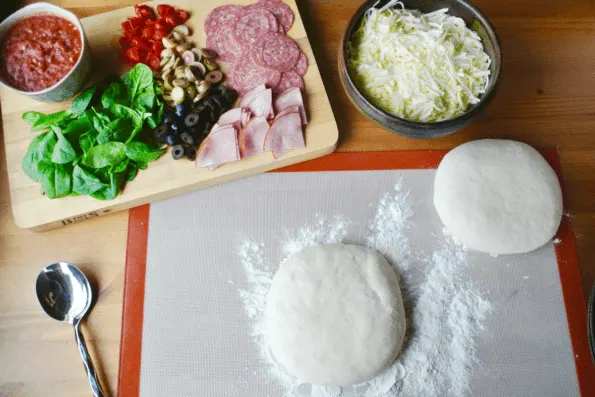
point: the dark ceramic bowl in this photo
(411, 129)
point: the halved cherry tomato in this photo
(160, 33)
(144, 11)
(161, 24)
(157, 47)
(124, 41)
(147, 33)
(171, 20)
(165, 9)
(136, 22)
(182, 15)
(141, 44)
(134, 54)
(152, 61)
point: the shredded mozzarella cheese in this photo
(420, 67)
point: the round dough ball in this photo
(334, 315)
(498, 196)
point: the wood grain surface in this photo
(546, 98)
(32, 210)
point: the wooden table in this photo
(546, 98)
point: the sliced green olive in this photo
(191, 91)
(181, 83)
(182, 29)
(197, 52)
(166, 53)
(198, 69)
(178, 95)
(214, 77)
(210, 64)
(202, 86)
(208, 54)
(167, 82)
(179, 72)
(188, 57)
(168, 43)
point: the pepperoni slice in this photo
(281, 11)
(302, 64)
(288, 80)
(224, 44)
(254, 23)
(245, 75)
(221, 16)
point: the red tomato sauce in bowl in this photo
(39, 51)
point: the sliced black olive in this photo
(161, 133)
(171, 140)
(214, 77)
(177, 152)
(186, 138)
(230, 95)
(191, 120)
(190, 153)
(180, 109)
(168, 117)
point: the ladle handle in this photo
(91, 374)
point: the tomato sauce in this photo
(39, 51)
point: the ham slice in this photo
(250, 95)
(285, 133)
(262, 103)
(221, 146)
(289, 109)
(251, 137)
(230, 117)
(291, 97)
(245, 116)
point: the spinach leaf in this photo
(131, 173)
(121, 167)
(141, 165)
(123, 111)
(140, 80)
(82, 102)
(32, 117)
(112, 94)
(63, 151)
(111, 191)
(109, 153)
(84, 182)
(123, 130)
(56, 179)
(141, 152)
(107, 132)
(88, 140)
(45, 121)
(40, 151)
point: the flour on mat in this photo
(447, 309)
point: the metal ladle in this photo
(65, 294)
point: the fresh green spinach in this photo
(96, 146)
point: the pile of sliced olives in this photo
(187, 72)
(187, 124)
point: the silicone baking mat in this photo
(184, 329)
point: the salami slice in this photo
(302, 64)
(288, 80)
(254, 23)
(277, 51)
(221, 16)
(245, 75)
(222, 41)
(281, 11)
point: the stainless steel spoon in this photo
(65, 294)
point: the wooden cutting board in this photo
(165, 177)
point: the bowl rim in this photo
(471, 112)
(40, 8)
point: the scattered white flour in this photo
(446, 309)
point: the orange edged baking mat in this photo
(569, 273)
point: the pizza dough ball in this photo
(498, 196)
(334, 315)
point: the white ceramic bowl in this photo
(74, 81)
